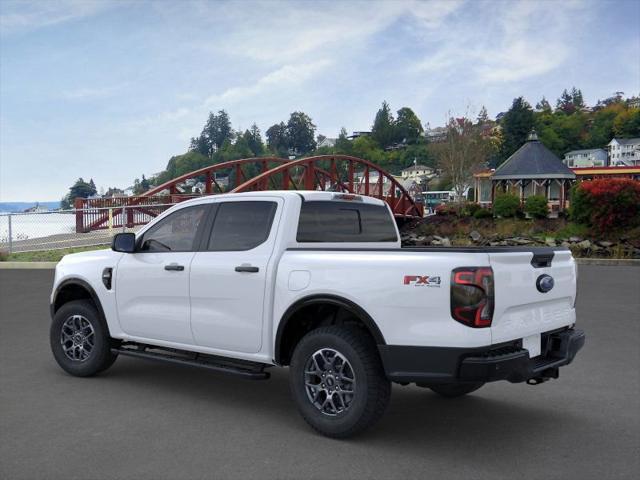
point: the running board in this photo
(239, 368)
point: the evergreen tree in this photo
(483, 116)
(565, 103)
(216, 131)
(517, 123)
(543, 106)
(382, 130)
(253, 139)
(576, 99)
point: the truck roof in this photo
(308, 195)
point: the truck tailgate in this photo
(522, 310)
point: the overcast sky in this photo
(111, 90)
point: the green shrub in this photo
(469, 209)
(506, 205)
(536, 206)
(483, 213)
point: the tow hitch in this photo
(545, 376)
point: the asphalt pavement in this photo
(148, 420)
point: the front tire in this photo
(80, 340)
(338, 382)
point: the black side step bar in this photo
(242, 369)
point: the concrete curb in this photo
(28, 265)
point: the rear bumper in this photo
(509, 361)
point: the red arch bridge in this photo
(336, 173)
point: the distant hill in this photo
(14, 207)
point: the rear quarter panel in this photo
(406, 314)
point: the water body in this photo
(36, 225)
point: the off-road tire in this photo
(453, 390)
(100, 357)
(372, 388)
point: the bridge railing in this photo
(104, 213)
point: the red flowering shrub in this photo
(607, 203)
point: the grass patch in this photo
(46, 255)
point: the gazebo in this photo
(532, 170)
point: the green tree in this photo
(301, 133)
(517, 123)
(577, 99)
(80, 189)
(408, 126)
(627, 124)
(216, 131)
(601, 131)
(565, 103)
(343, 144)
(383, 130)
(277, 139)
(253, 138)
(544, 106)
(367, 148)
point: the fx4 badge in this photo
(422, 281)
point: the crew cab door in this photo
(152, 284)
(229, 277)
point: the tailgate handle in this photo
(542, 260)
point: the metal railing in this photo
(52, 230)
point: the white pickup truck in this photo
(316, 281)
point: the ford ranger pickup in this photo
(317, 282)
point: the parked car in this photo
(318, 282)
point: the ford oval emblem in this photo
(544, 283)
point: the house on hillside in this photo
(358, 134)
(624, 152)
(417, 172)
(593, 157)
(327, 142)
(532, 170)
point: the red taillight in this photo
(472, 296)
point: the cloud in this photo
(285, 77)
(526, 40)
(23, 15)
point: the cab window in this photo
(176, 232)
(241, 225)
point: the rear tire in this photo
(338, 382)
(80, 340)
(453, 390)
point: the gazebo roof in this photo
(532, 160)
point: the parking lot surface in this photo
(148, 420)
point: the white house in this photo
(327, 142)
(417, 172)
(624, 152)
(593, 157)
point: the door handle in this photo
(174, 267)
(247, 268)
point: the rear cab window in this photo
(345, 221)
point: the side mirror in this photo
(124, 242)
